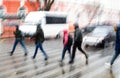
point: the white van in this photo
(1, 27)
(52, 23)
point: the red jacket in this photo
(65, 37)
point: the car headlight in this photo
(100, 39)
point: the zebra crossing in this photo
(19, 66)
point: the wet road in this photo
(18, 66)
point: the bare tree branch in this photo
(48, 6)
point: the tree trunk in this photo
(47, 5)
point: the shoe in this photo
(46, 59)
(71, 62)
(108, 65)
(60, 61)
(61, 64)
(25, 54)
(33, 57)
(11, 53)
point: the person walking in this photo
(18, 39)
(39, 39)
(67, 43)
(77, 43)
(117, 46)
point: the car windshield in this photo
(100, 32)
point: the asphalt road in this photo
(19, 66)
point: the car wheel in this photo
(106, 43)
(86, 46)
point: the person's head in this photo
(76, 25)
(17, 27)
(116, 27)
(38, 27)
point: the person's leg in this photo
(14, 46)
(69, 51)
(63, 52)
(23, 45)
(36, 49)
(73, 54)
(41, 48)
(80, 49)
(114, 57)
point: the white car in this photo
(100, 36)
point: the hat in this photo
(16, 25)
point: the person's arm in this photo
(75, 36)
(14, 32)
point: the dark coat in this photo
(77, 36)
(18, 34)
(39, 36)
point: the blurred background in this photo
(95, 18)
(85, 12)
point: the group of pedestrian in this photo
(69, 42)
(75, 42)
(38, 37)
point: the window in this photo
(55, 20)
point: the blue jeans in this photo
(64, 51)
(115, 56)
(22, 44)
(39, 45)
